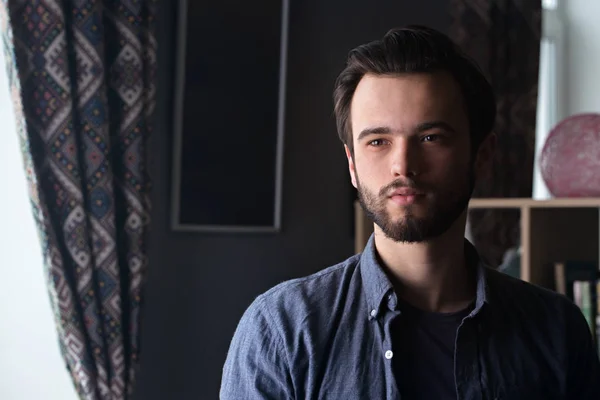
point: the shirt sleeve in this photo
(583, 376)
(256, 367)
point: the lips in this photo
(405, 196)
(405, 192)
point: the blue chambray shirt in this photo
(328, 336)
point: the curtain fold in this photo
(504, 37)
(82, 75)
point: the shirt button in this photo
(389, 354)
(373, 313)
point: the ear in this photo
(484, 158)
(351, 167)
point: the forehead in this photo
(406, 100)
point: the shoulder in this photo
(307, 285)
(295, 298)
(534, 302)
(277, 315)
(508, 290)
(261, 359)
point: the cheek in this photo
(448, 163)
(375, 162)
(370, 172)
(447, 175)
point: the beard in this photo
(445, 208)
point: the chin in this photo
(398, 212)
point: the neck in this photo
(432, 275)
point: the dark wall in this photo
(199, 285)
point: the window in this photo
(31, 366)
(550, 107)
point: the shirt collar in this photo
(376, 283)
(378, 287)
(481, 275)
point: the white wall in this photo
(30, 363)
(582, 69)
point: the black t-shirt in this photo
(424, 352)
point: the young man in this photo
(416, 315)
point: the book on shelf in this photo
(567, 272)
(580, 282)
(582, 291)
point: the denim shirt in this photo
(328, 336)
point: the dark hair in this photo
(416, 49)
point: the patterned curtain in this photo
(82, 76)
(504, 37)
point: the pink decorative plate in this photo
(570, 159)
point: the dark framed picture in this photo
(229, 116)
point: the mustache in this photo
(401, 183)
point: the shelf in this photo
(573, 202)
(552, 230)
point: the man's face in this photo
(412, 162)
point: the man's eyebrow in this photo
(422, 127)
(379, 130)
(426, 126)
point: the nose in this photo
(403, 159)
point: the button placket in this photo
(388, 354)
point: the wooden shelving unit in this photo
(554, 230)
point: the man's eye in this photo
(430, 138)
(377, 142)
